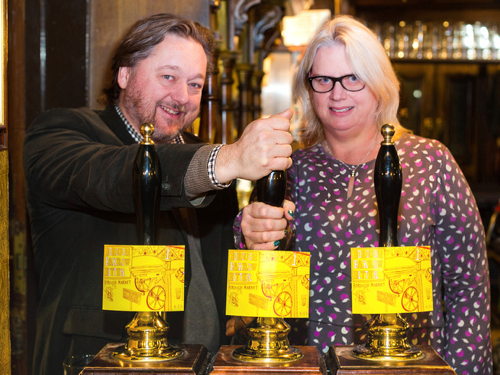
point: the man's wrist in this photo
(212, 159)
(226, 168)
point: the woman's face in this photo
(341, 112)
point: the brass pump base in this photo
(387, 341)
(268, 343)
(387, 345)
(166, 354)
(147, 340)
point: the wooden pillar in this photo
(210, 111)
(4, 263)
(263, 36)
(210, 123)
(245, 95)
(228, 129)
(258, 75)
(5, 361)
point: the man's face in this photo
(164, 88)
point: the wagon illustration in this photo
(405, 276)
(151, 270)
(277, 285)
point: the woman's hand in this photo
(263, 226)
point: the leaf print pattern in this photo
(437, 209)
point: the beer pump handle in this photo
(388, 182)
(387, 337)
(271, 190)
(147, 183)
(147, 340)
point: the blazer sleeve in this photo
(73, 160)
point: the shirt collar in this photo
(178, 139)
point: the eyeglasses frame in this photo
(335, 80)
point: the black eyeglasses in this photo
(322, 84)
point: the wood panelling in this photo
(455, 103)
(4, 264)
(56, 34)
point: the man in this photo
(80, 191)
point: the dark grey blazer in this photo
(78, 166)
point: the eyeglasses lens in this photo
(322, 84)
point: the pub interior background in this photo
(446, 53)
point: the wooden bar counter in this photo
(341, 361)
(311, 364)
(193, 361)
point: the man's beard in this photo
(166, 138)
(147, 113)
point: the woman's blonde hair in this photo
(369, 62)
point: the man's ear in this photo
(123, 76)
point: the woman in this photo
(346, 90)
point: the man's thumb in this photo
(287, 113)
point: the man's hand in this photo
(262, 225)
(264, 146)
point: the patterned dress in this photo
(437, 209)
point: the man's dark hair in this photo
(145, 34)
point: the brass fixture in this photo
(147, 332)
(268, 343)
(269, 336)
(387, 333)
(147, 340)
(387, 340)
